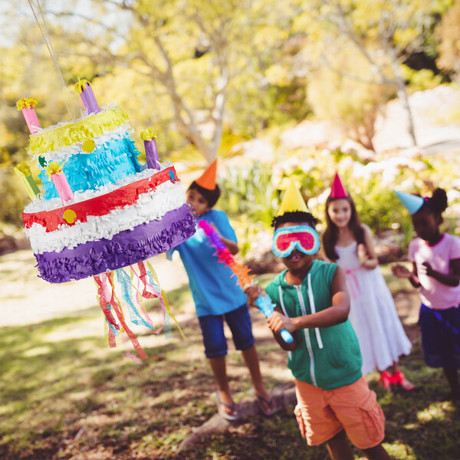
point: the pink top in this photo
(433, 293)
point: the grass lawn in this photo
(65, 394)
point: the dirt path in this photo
(25, 298)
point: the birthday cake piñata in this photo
(100, 213)
(99, 209)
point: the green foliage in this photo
(14, 196)
(252, 190)
(421, 80)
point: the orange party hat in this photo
(208, 179)
(337, 188)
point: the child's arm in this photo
(231, 245)
(253, 292)
(366, 251)
(285, 346)
(336, 314)
(403, 272)
(449, 279)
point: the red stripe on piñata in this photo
(100, 205)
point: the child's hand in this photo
(253, 292)
(428, 269)
(401, 271)
(278, 321)
(362, 254)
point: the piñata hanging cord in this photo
(49, 45)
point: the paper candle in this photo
(151, 151)
(27, 104)
(22, 170)
(54, 170)
(83, 88)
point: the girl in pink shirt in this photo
(435, 258)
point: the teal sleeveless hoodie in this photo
(327, 357)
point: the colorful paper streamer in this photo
(264, 303)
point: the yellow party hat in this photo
(292, 200)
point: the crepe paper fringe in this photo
(225, 256)
(78, 131)
(107, 164)
(90, 203)
(140, 283)
(123, 249)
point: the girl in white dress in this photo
(373, 313)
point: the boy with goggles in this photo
(333, 398)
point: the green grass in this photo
(66, 395)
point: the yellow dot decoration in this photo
(69, 216)
(88, 146)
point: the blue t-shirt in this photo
(214, 289)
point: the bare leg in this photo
(451, 374)
(251, 359)
(393, 368)
(339, 447)
(219, 369)
(377, 453)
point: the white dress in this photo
(372, 313)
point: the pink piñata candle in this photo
(27, 104)
(54, 170)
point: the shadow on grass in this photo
(66, 394)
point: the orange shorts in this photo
(321, 414)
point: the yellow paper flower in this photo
(54, 168)
(29, 102)
(24, 168)
(148, 135)
(81, 85)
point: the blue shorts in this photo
(440, 336)
(212, 328)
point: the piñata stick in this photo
(264, 303)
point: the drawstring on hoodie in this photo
(313, 310)
(305, 331)
(312, 307)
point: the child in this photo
(435, 258)
(333, 398)
(217, 297)
(372, 312)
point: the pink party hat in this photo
(337, 189)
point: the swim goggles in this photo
(301, 237)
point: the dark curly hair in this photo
(437, 204)
(295, 216)
(211, 196)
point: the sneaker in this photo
(398, 378)
(386, 380)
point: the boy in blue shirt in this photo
(218, 298)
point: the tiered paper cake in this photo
(99, 209)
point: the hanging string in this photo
(47, 39)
